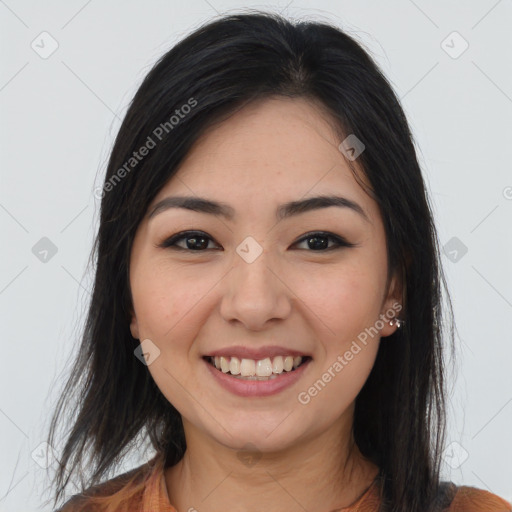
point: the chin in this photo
(266, 433)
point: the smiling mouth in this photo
(263, 369)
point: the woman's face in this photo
(262, 286)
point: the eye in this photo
(319, 241)
(197, 241)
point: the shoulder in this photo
(80, 502)
(472, 499)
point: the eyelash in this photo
(170, 243)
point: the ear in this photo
(392, 307)
(134, 326)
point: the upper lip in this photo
(255, 353)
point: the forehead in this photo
(271, 151)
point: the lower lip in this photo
(242, 387)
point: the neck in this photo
(322, 474)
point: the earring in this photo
(398, 322)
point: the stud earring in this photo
(398, 322)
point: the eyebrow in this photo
(203, 205)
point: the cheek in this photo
(346, 311)
(346, 300)
(166, 299)
(167, 302)
(343, 378)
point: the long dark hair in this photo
(399, 421)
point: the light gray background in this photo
(60, 115)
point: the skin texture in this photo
(318, 301)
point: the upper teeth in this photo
(261, 368)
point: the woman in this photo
(267, 301)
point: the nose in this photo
(255, 294)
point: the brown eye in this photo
(198, 241)
(194, 241)
(319, 241)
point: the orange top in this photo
(153, 495)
